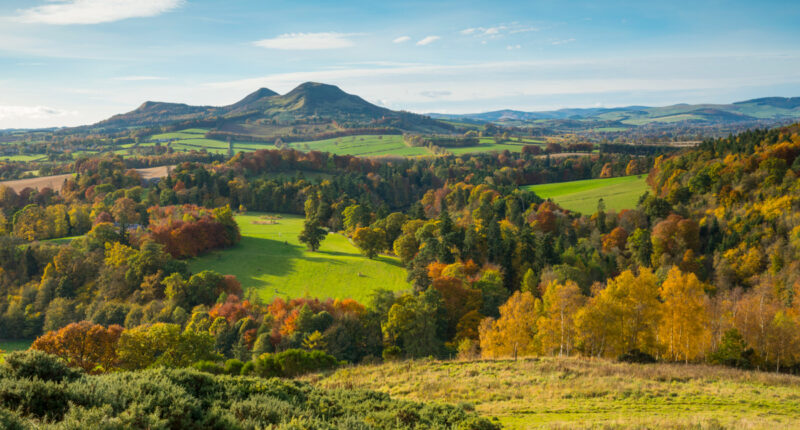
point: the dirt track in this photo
(57, 181)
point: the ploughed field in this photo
(272, 260)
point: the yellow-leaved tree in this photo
(621, 317)
(514, 332)
(556, 327)
(683, 330)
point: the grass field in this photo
(582, 196)
(34, 157)
(584, 393)
(272, 260)
(360, 145)
(363, 146)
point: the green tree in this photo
(312, 234)
(414, 324)
(370, 240)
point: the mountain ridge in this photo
(746, 110)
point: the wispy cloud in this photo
(308, 41)
(401, 39)
(513, 47)
(428, 40)
(30, 112)
(140, 78)
(497, 30)
(66, 12)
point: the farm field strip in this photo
(582, 196)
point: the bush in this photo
(293, 362)
(11, 421)
(34, 398)
(233, 367)
(263, 411)
(37, 364)
(636, 356)
(208, 367)
(190, 399)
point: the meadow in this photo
(359, 145)
(271, 260)
(582, 196)
(588, 393)
(363, 146)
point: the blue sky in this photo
(70, 62)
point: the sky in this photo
(73, 62)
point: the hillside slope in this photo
(584, 393)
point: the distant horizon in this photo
(76, 62)
(434, 112)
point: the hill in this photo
(310, 108)
(584, 393)
(769, 108)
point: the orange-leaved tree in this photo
(91, 347)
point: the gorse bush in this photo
(190, 399)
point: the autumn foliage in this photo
(188, 230)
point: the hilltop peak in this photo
(316, 89)
(254, 97)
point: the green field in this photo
(582, 196)
(359, 145)
(34, 157)
(588, 393)
(363, 146)
(272, 260)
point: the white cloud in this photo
(401, 39)
(139, 78)
(428, 40)
(65, 12)
(307, 41)
(497, 30)
(563, 42)
(30, 112)
(513, 47)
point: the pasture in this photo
(588, 393)
(358, 145)
(363, 146)
(271, 260)
(582, 196)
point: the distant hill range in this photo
(310, 108)
(769, 108)
(315, 111)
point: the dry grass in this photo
(584, 393)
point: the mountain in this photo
(262, 112)
(769, 108)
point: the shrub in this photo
(636, 356)
(233, 367)
(36, 364)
